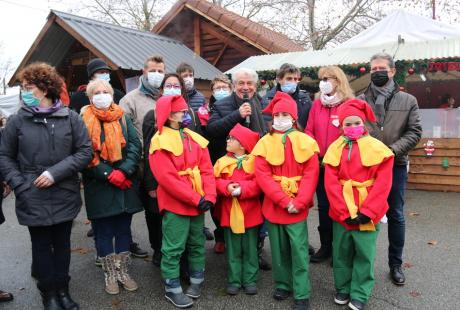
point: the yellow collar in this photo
(227, 164)
(371, 151)
(171, 140)
(271, 147)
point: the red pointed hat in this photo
(356, 107)
(166, 105)
(247, 138)
(282, 102)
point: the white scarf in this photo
(330, 101)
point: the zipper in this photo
(52, 136)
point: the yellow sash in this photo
(371, 151)
(195, 177)
(171, 140)
(271, 147)
(227, 165)
(350, 200)
(288, 185)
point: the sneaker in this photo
(219, 247)
(208, 234)
(301, 304)
(98, 261)
(137, 251)
(280, 294)
(180, 300)
(194, 291)
(341, 298)
(356, 305)
(232, 290)
(250, 290)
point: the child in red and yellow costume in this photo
(180, 162)
(239, 210)
(358, 174)
(287, 170)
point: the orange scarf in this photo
(110, 149)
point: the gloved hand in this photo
(126, 184)
(360, 219)
(204, 205)
(117, 178)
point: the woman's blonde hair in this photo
(343, 87)
(93, 84)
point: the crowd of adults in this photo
(103, 138)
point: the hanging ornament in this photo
(362, 70)
(411, 71)
(445, 163)
(429, 148)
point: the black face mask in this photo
(380, 78)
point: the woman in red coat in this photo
(287, 172)
(239, 210)
(180, 162)
(358, 177)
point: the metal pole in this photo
(433, 6)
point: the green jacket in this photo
(102, 199)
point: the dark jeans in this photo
(51, 255)
(325, 222)
(395, 214)
(154, 220)
(116, 227)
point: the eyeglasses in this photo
(169, 86)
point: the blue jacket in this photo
(195, 99)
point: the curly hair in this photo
(44, 76)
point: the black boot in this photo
(50, 300)
(66, 301)
(263, 263)
(325, 251)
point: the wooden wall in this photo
(428, 173)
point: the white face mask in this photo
(325, 87)
(102, 101)
(155, 79)
(189, 83)
(282, 123)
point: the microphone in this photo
(246, 100)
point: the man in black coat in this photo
(194, 98)
(242, 106)
(96, 69)
(288, 77)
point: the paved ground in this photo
(432, 269)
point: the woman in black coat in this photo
(43, 148)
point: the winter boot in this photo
(325, 251)
(174, 294)
(111, 274)
(65, 300)
(123, 275)
(196, 284)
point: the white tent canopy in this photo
(9, 104)
(430, 42)
(409, 27)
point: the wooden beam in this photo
(121, 77)
(31, 50)
(197, 35)
(219, 56)
(161, 25)
(242, 37)
(86, 44)
(226, 39)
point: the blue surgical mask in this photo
(172, 92)
(289, 87)
(186, 120)
(221, 93)
(103, 76)
(29, 99)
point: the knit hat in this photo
(96, 64)
(356, 107)
(167, 105)
(282, 102)
(247, 138)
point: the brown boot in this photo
(111, 274)
(123, 276)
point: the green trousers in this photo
(289, 245)
(353, 254)
(179, 232)
(242, 258)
